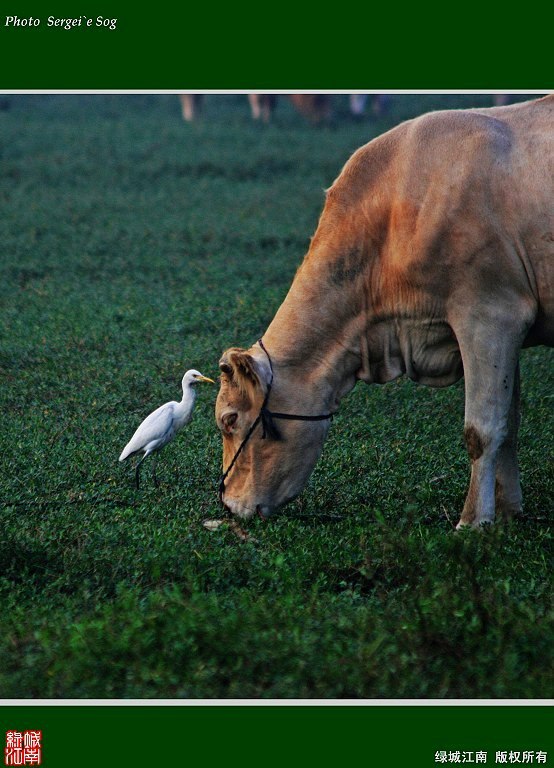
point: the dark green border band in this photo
(238, 46)
(286, 735)
(180, 47)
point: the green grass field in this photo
(132, 247)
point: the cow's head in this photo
(270, 470)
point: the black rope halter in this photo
(266, 417)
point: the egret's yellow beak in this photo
(205, 378)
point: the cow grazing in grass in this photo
(433, 258)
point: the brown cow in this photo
(432, 258)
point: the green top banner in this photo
(126, 46)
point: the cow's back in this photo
(444, 188)
(532, 203)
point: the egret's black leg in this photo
(137, 470)
(156, 482)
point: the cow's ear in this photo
(245, 371)
(229, 420)
(238, 367)
(243, 366)
(253, 367)
(228, 365)
(225, 367)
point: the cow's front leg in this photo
(482, 448)
(490, 426)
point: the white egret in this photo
(162, 425)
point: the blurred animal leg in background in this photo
(316, 107)
(191, 105)
(380, 104)
(262, 105)
(358, 103)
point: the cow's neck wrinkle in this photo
(318, 363)
(315, 349)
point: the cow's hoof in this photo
(476, 525)
(505, 513)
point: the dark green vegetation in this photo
(132, 247)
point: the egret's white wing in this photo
(155, 427)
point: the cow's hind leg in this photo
(490, 371)
(508, 488)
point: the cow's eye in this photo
(229, 420)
